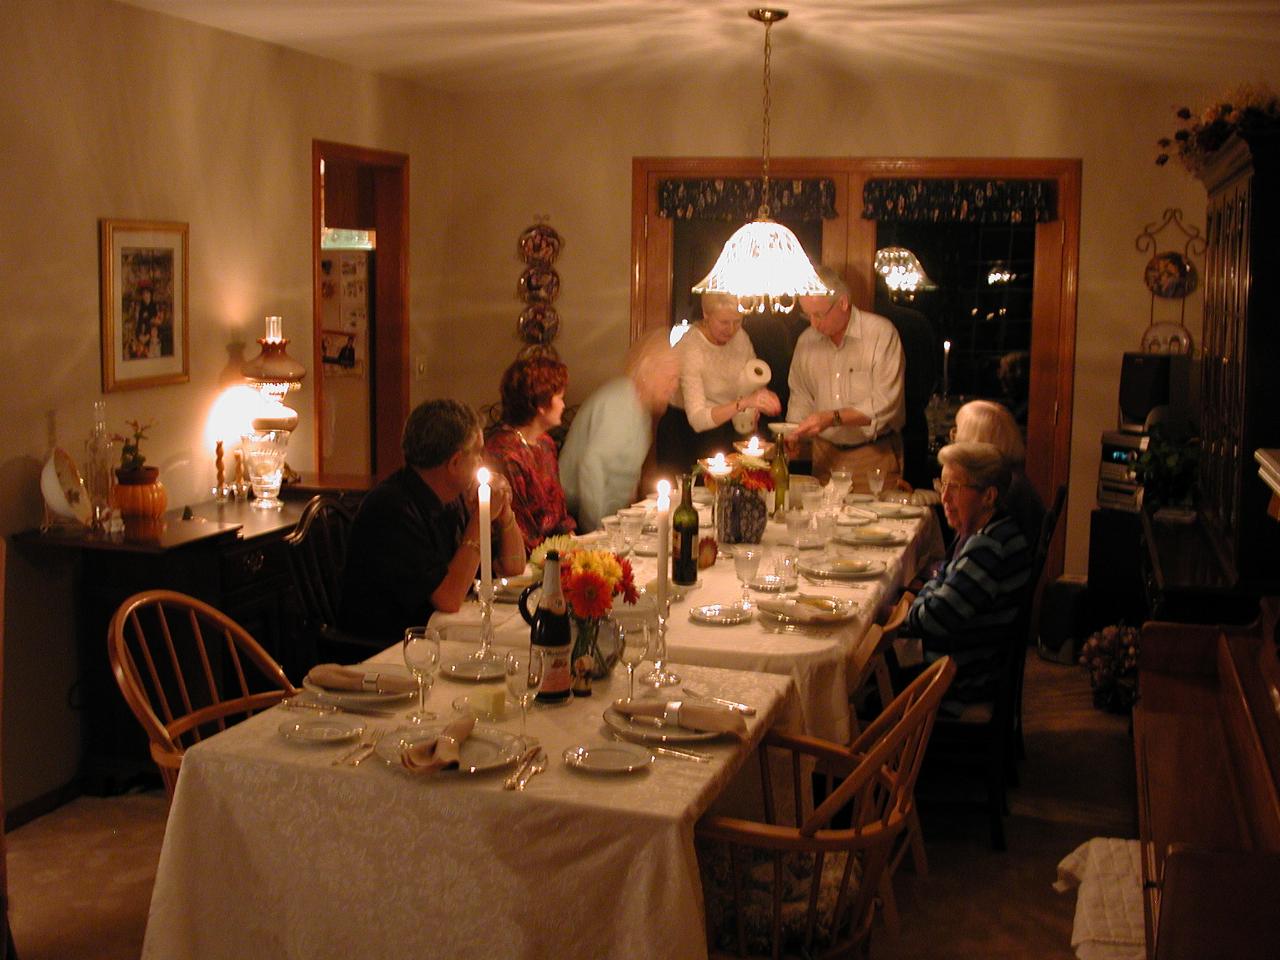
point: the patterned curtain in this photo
(739, 199)
(960, 201)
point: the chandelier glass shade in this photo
(763, 263)
(901, 270)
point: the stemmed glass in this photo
(746, 564)
(524, 672)
(660, 676)
(422, 657)
(633, 647)
(838, 487)
(875, 480)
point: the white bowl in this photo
(64, 489)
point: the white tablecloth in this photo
(272, 852)
(815, 657)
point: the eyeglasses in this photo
(956, 485)
(816, 317)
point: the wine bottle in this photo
(684, 524)
(781, 479)
(550, 633)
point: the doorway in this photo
(360, 302)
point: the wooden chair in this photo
(6, 940)
(317, 553)
(836, 871)
(185, 668)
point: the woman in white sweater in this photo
(712, 357)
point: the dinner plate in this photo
(859, 498)
(675, 591)
(810, 541)
(645, 548)
(720, 614)
(321, 729)
(870, 535)
(608, 758)
(851, 520)
(664, 733)
(772, 583)
(843, 568)
(362, 698)
(473, 671)
(487, 748)
(897, 511)
(809, 609)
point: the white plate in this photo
(871, 536)
(810, 541)
(608, 758)
(362, 698)
(851, 520)
(897, 511)
(772, 583)
(64, 489)
(473, 671)
(859, 498)
(668, 733)
(321, 729)
(488, 748)
(675, 591)
(810, 609)
(843, 569)
(781, 428)
(720, 614)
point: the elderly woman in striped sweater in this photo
(968, 608)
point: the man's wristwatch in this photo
(835, 417)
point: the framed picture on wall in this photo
(144, 304)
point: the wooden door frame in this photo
(389, 361)
(848, 244)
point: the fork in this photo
(536, 767)
(370, 740)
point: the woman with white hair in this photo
(984, 421)
(968, 608)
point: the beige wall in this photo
(108, 111)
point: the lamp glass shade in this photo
(764, 266)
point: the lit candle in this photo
(718, 467)
(664, 542)
(486, 549)
(753, 446)
(946, 365)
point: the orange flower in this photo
(588, 593)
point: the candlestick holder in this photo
(660, 676)
(486, 653)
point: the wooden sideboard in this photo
(231, 555)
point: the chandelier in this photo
(763, 264)
(902, 271)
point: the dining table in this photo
(815, 655)
(274, 850)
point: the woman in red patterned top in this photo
(522, 451)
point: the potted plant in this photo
(139, 492)
(1168, 469)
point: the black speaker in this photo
(1154, 387)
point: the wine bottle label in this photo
(556, 678)
(684, 565)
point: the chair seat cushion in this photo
(756, 875)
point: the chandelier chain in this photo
(764, 147)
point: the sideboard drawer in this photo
(254, 564)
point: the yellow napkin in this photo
(441, 752)
(692, 716)
(806, 609)
(370, 679)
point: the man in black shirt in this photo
(415, 543)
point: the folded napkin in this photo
(691, 716)
(441, 752)
(847, 565)
(332, 676)
(871, 533)
(805, 609)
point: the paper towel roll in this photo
(754, 375)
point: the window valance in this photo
(738, 199)
(960, 201)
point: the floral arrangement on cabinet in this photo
(1250, 106)
(1110, 657)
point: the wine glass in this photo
(875, 480)
(838, 487)
(524, 672)
(633, 647)
(746, 563)
(422, 657)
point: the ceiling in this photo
(457, 45)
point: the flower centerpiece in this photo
(741, 482)
(591, 579)
(1247, 108)
(1110, 657)
(139, 492)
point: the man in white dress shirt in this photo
(846, 387)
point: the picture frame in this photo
(145, 321)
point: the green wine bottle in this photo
(781, 479)
(684, 524)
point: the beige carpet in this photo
(80, 878)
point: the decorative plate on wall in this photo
(539, 284)
(1170, 276)
(539, 323)
(540, 244)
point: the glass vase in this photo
(741, 514)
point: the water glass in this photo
(838, 487)
(746, 564)
(797, 526)
(632, 521)
(422, 656)
(825, 522)
(633, 648)
(524, 670)
(613, 533)
(875, 481)
(786, 566)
